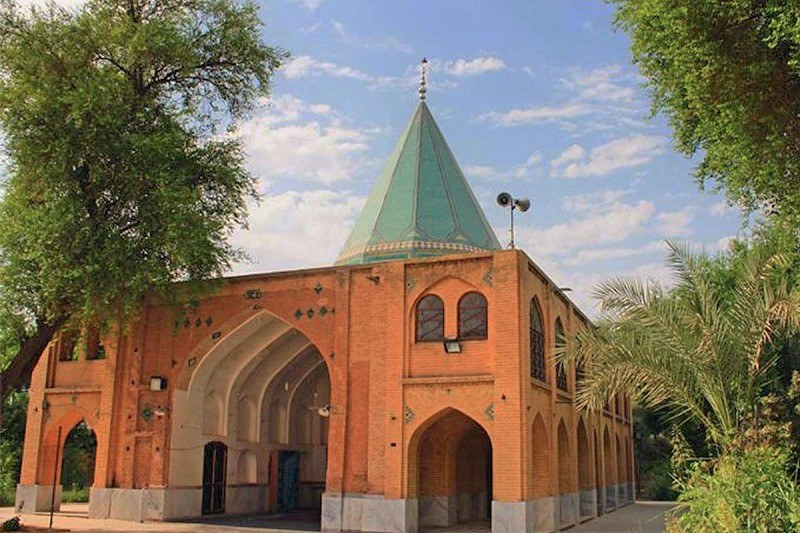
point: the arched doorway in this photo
(608, 480)
(598, 476)
(540, 455)
(454, 472)
(77, 463)
(215, 465)
(265, 391)
(587, 504)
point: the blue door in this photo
(288, 478)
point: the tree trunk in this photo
(18, 372)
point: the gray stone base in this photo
(248, 499)
(35, 498)
(368, 512)
(631, 492)
(539, 515)
(438, 511)
(140, 505)
(588, 504)
(610, 492)
(568, 509)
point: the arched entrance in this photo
(587, 504)
(78, 462)
(608, 480)
(262, 430)
(454, 472)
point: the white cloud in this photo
(676, 223)
(297, 229)
(610, 224)
(535, 114)
(295, 140)
(311, 29)
(571, 154)
(474, 67)
(627, 152)
(721, 209)
(609, 83)
(385, 42)
(303, 66)
(310, 5)
(596, 255)
(521, 171)
(594, 202)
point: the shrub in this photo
(12, 524)
(75, 495)
(744, 491)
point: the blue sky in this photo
(536, 97)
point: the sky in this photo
(535, 97)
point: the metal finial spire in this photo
(422, 82)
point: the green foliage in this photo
(653, 449)
(727, 75)
(748, 491)
(78, 459)
(121, 180)
(702, 350)
(12, 436)
(75, 495)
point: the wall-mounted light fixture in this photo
(452, 346)
(158, 383)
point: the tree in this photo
(701, 350)
(727, 75)
(122, 179)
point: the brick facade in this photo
(441, 437)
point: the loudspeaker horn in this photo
(523, 204)
(504, 199)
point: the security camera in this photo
(504, 199)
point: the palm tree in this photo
(700, 350)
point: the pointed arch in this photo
(561, 371)
(536, 336)
(540, 454)
(565, 466)
(246, 420)
(450, 464)
(584, 461)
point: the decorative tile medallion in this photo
(487, 277)
(318, 287)
(310, 313)
(489, 411)
(252, 294)
(408, 415)
(298, 314)
(147, 413)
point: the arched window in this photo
(536, 330)
(561, 372)
(472, 316)
(430, 319)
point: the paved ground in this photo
(643, 517)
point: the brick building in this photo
(409, 385)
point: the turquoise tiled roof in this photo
(421, 206)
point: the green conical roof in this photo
(421, 206)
